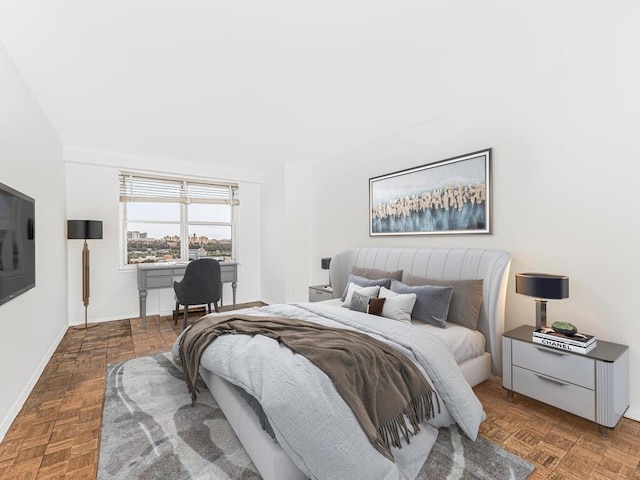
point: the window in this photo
(166, 219)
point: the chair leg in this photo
(184, 318)
(175, 314)
(215, 304)
(208, 308)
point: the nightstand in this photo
(318, 293)
(594, 386)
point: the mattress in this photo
(463, 342)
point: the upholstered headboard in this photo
(443, 264)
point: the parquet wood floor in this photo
(56, 434)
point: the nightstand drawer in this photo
(320, 293)
(564, 366)
(566, 396)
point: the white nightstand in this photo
(318, 293)
(594, 386)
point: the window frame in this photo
(201, 188)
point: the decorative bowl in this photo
(565, 328)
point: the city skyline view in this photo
(159, 231)
(155, 231)
(161, 219)
(152, 250)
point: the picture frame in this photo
(446, 197)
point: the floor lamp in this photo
(84, 230)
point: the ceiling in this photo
(249, 83)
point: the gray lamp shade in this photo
(84, 229)
(325, 262)
(542, 285)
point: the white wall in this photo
(273, 249)
(92, 193)
(285, 234)
(31, 162)
(565, 174)
(297, 226)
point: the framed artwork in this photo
(451, 196)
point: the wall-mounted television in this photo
(17, 243)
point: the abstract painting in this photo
(450, 196)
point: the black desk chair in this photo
(200, 285)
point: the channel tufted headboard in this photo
(443, 264)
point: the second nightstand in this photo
(318, 293)
(594, 386)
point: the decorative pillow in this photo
(362, 303)
(375, 274)
(366, 291)
(365, 282)
(376, 305)
(465, 302)
(359, 302)
(397, 306)
(432, 302)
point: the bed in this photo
(296, 457)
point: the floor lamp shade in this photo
(85, 230)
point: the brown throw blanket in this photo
(380, 384)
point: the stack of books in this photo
(578, 343)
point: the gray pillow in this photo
(365, 282)
(366, 304)
(465, 302)
(359, 302)
(375, 274)
(432, 302)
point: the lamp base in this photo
(84, 327)
(541, 313)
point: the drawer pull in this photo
(551, 380)
(552, 352)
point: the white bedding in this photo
(465, 344)
(314, 427)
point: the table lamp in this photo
(542, 286)
(84, 230)
(325, 263)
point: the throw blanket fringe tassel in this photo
(419, 409)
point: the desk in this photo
(162, 275)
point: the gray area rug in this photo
(151, 431)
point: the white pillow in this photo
(366, 291)
(397, 306)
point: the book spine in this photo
(563, 346)
(565, 340)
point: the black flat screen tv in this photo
(17, 243)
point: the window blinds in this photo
(146, 188)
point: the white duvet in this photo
(312, 423)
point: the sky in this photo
(139, 213)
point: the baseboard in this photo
(164, 313)
(26, 391)
(633, 414)
(104, 319)
(120, 317)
